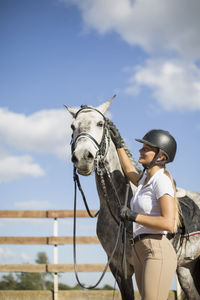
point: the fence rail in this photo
(43, 213)
(49, 240)
(51, 268)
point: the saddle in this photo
(190, 216)
(190, 223)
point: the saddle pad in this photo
(190, 216)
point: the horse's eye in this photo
(100, 124)
(72, 127)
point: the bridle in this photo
(102, 149)
(102, 146)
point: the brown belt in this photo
(143, 236)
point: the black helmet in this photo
(161, 139)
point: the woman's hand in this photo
(115, 135)
(127, 214)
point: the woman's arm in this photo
(167, 219)
(127, 166)
(123, 157)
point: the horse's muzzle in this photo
(84, 163)
(87, 156)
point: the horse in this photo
(94, 151)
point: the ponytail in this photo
(177, 205)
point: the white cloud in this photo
(24, 257)
(154, 24)
(22, 221)
(46, 131)
(175, 84)
(33, 204)
(13, 167)
(164, 30)
(6, 254)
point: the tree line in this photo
(35, 281)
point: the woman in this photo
(154, 212)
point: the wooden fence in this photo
(49, 240)
(54, 240)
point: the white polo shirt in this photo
(145, 201)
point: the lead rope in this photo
(77, 181)
(124, 262)
(122, 225)
(124, 229)
(74, 241)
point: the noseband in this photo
(100, 146)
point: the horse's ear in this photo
(72, 110)
(103, 108)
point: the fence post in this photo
(55, 252)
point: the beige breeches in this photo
(155, 263)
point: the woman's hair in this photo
(178, 209)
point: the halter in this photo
(88, 107)
(100, 146)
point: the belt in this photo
(143, 236)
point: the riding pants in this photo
(155, 262)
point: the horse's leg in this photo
(125, 285)
(186, 280)
(196, 275)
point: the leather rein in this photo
(99, 164)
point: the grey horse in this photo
(94, 151)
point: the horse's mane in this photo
(137, 167)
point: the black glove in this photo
(127, 214)
(115, 135)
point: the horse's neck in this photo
(112, 171)
(115, 167)
(112, 160)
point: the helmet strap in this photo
(142, 174)
(155, 161)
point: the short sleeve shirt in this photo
(146, 199)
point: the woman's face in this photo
(147, 154)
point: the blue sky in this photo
(55, 52)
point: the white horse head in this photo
(88, 134)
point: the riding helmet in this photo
(161, 139)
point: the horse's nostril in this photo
(74, 158)
(90, 156)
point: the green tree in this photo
(108, 287)
(8, 282)
(42, 258)
(29, 281)
(35, 281)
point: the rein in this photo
(77, 183)
(99, 162)
(74, 244)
